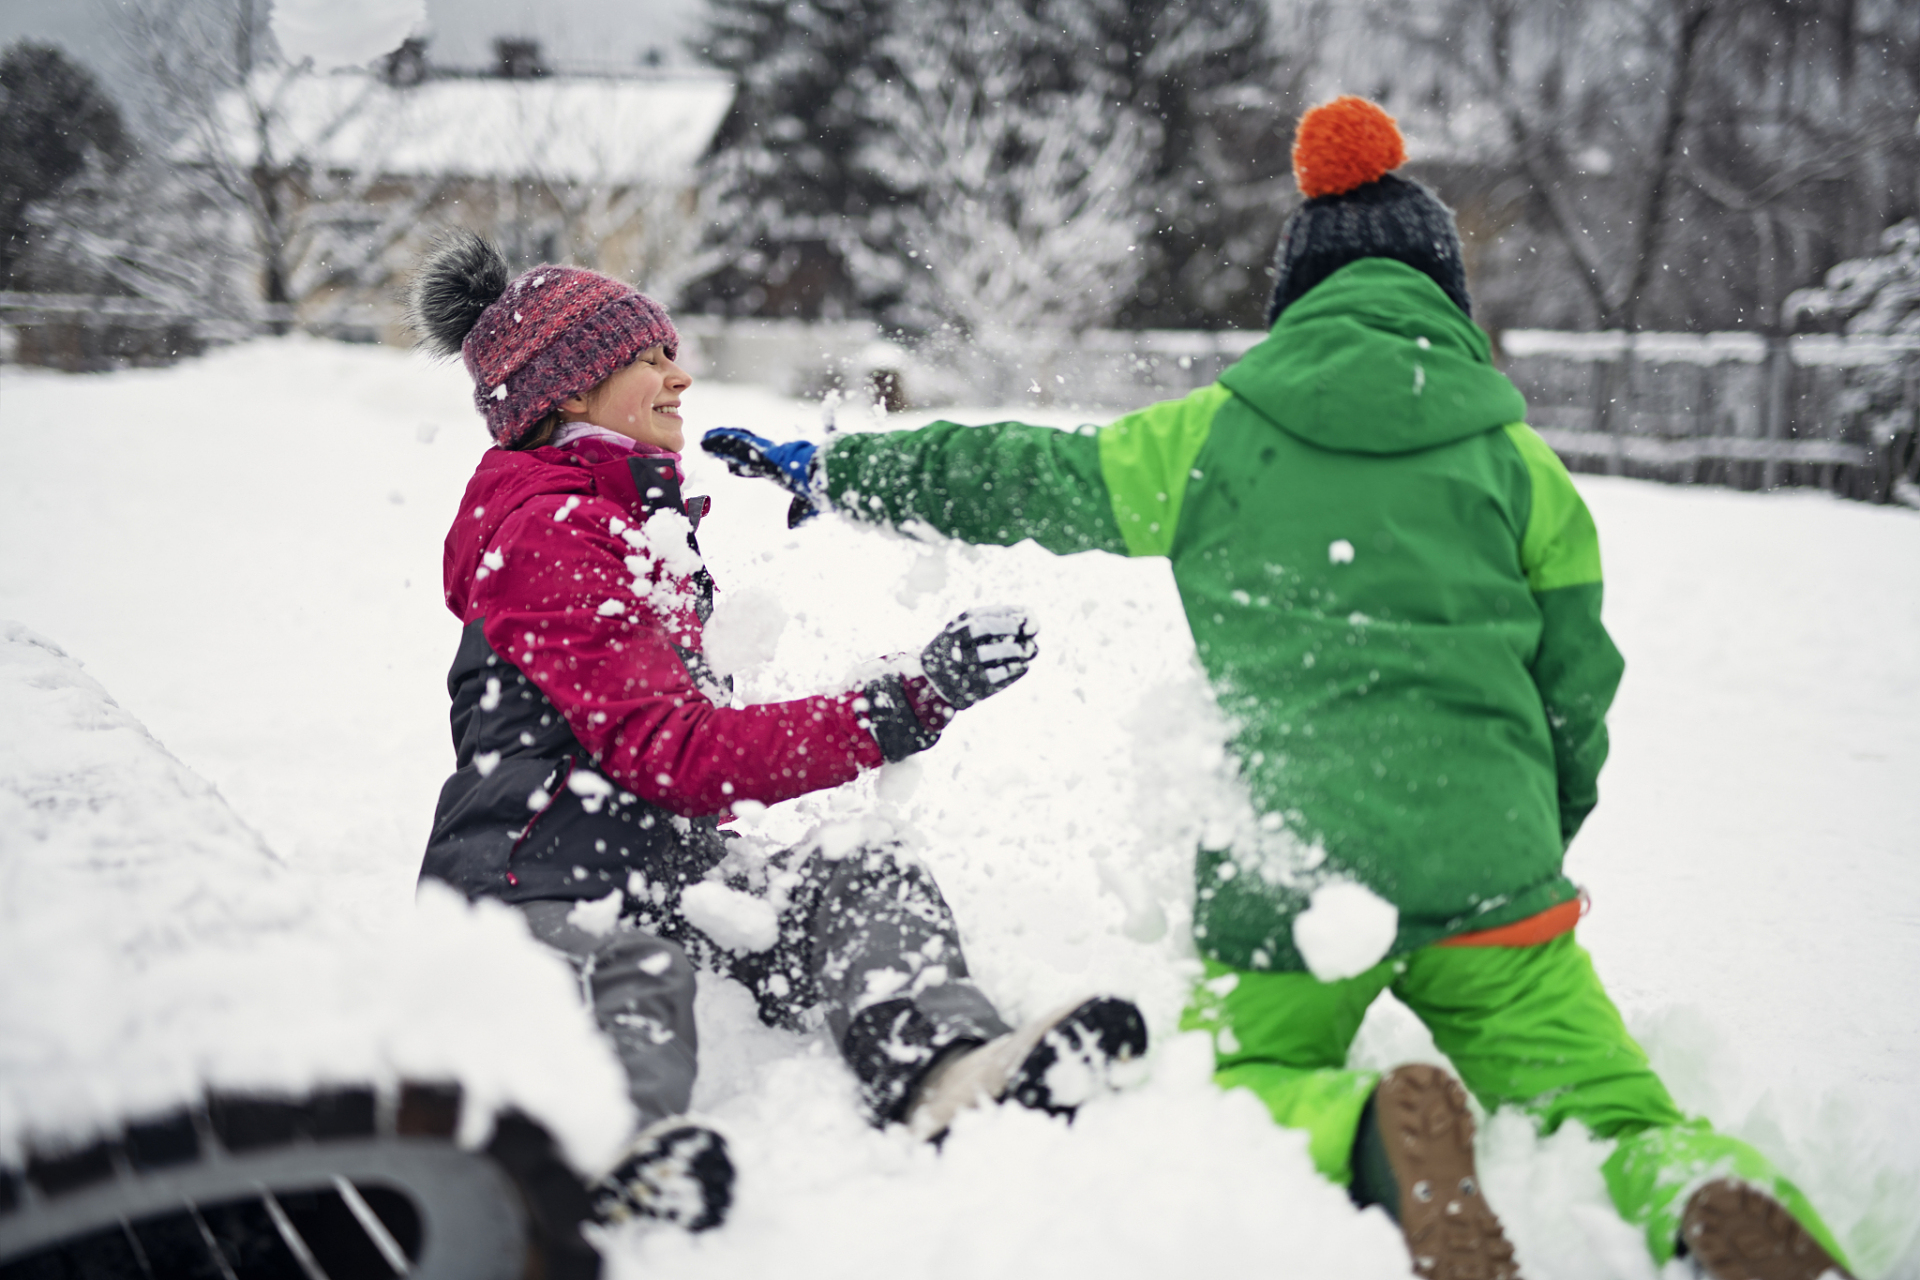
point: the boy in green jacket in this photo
(1395, 590)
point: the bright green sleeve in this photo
(1147, 459)
(995, 484)
(1116, 489)
(1577, 668)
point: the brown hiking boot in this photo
(1732, 1231)
(1417, 1135)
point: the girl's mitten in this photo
(980, 653)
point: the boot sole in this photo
(682, 1175)
(1734, 1232)
(1088, 1041)
(1451, 1231)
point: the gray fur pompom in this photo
(460, 278)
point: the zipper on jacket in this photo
(553, 795)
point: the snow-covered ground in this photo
(245, 551)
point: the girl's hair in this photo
(542, 433)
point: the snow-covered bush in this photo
(1873, 295)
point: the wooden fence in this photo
(1736, 409)
(85, 334)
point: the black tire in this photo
(343, 1184)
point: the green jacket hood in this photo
(1376, 359)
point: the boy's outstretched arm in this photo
(1577, 668)
(1117, 488)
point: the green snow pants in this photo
(1524, 1026)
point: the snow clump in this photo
(737, 921)
(1345, 930)
(744, 631)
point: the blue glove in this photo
(793, 464)
(747, 454)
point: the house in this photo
(350, 176)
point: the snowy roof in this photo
(572, 129)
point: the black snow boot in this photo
(676, 1171)
(1413, 1157)
(1053, 1064)
(1732, 1231)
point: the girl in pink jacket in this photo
(597, 753)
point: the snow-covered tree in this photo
(138, 229)
(1629, 165)
(1218, 94)
(1011, 206)
(790, 203)
(55, 123)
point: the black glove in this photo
(980, 653)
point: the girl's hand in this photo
(980, 653)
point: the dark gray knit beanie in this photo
(1341, 156)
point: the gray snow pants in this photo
(866, 939)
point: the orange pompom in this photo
(1344, 144)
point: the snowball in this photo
(344, 33)
(737, 921)
(1345, 930)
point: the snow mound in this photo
(154, 946)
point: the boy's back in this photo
(1390, 580)
(1349, 549)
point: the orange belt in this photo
(1531, 932)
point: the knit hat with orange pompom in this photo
(1356, 208)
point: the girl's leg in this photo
(641, 990)
(869, 938)
(1532, 1026)
(1285, 1036)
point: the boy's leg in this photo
(1532, 1026)
(641, 990)
(1286, 1036)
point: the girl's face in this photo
(641, 401)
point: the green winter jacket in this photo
(1391, 582)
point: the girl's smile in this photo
(641, 401)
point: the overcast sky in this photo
(579, 32)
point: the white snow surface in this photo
(245, 549)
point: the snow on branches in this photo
(1017, 208)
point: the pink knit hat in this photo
(551, 333)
